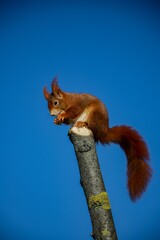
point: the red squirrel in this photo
(85, 110)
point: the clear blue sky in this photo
(108, 48)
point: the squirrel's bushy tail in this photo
(138, 170)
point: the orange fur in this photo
(87, 110)
(138, 170)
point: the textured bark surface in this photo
(93, 185)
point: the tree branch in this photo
(93, 185)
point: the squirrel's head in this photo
(56, 101)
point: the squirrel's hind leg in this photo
(81, 124)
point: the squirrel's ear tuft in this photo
(46, 93)
(57, 92)
(54, 83)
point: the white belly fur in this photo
(82, 118)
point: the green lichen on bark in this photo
(99, 200)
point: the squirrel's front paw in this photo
(59, 119)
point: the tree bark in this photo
(93, 185)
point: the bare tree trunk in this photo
(93, 185)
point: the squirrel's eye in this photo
(55, 102)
